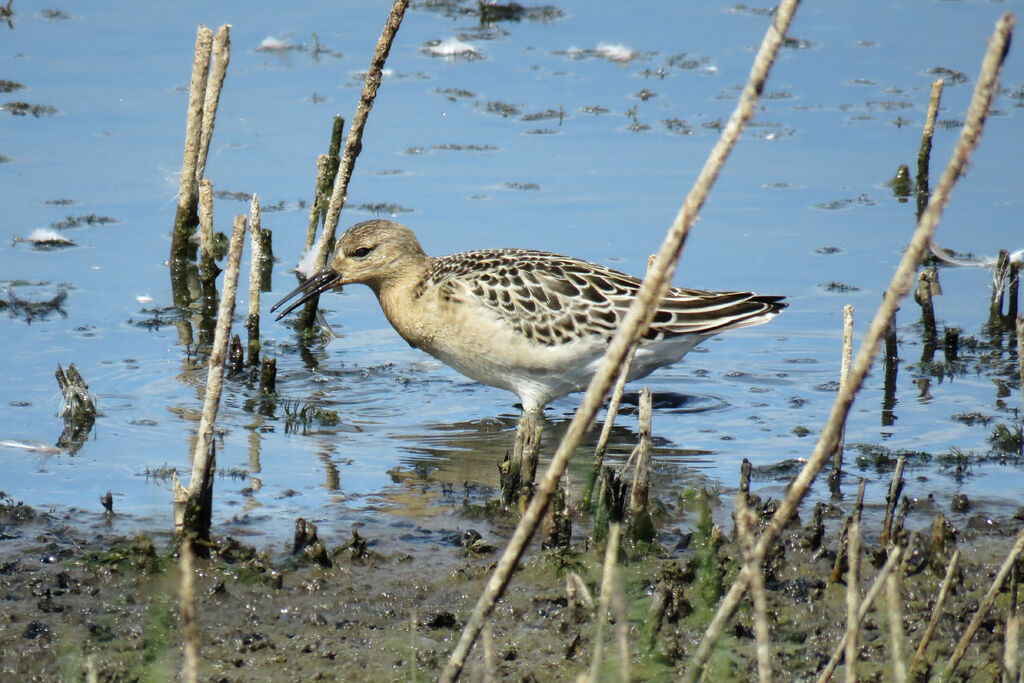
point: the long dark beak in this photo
(316, 285)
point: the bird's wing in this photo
(556, 299)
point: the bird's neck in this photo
(397, 296)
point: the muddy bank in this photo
(79, 599)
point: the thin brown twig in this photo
(652, 290)
(899, 286)
(354, 142)
(986, 605)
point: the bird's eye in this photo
(361, 252)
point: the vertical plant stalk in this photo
(642, 473)
(198, 504)
(899, 286)
(869, 598)
(317, 204)
(1020, 351)
(611, 559)
(947, 583)
(206, 224)
(853, 588)
(844, 378)
(744, 519)
(609, 420)
(219, 57)
(924, 154)
(185, 217)
(986, 605)
(892, 594)
(354, 143)
(891, 500)
(652, 290)
(187, 608)
(252, 321)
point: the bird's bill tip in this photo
(316, 285)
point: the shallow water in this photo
(844, 108)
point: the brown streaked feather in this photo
(554, 299)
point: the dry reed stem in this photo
(252, 322)
(986, 605)
(354, 142)
(652, 290)
(892, 594)
(611, 559)
(892, 498)
(899, 286)
(618, 607)
(488, 638)
(744, 519)
(206, 220)
(947, 582)
(844, 378)
(322, 164)
(219, 57)
(924, 154)
(642, 472)
(1020, 350)
(187, 608)
(853, 588)
(193, 134)
(1010, 657)
(202, 458)
(869, 598)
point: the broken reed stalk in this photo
(219, 57)
(899, 286)
(652, 290)
(869, 598)
(986, 605)
(196, 501)
(744, 520)
(892, 497)
(187, 609)
(252, 321)
(354, 143)
(185, 218)
(927, 287)
(924, 154)
(642, 453)
(606, 428)
(611, 559)
(853, 587)
(317, 203)
(844, 378)
(892, 595)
